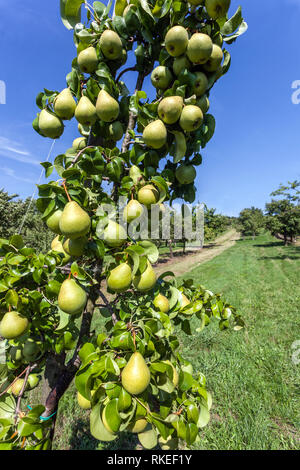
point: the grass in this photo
(250, 373)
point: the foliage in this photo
(214, 224)
(251, 221)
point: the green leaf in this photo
(70, 12)
(124, 400)
(185, 381)
(97, 428)
(233, 23)
(150, 250)
(112, 415)
(148, 438)
(204, 417)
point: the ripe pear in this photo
(135, 375)
(201, 83)
(75, 247)
(74, 221)
(71, 298)
(199, 48)
(138, 426)
(203, 103)
(145, 281)
(184, 301)
(85, 112)
(30, 350)
(169, 109)
(79, 143)
(171, 443)
(13, 325)
(161, 77)
(148, 195)
(161, 302)
(16, 387)
(111, 45)
(87, 60)
(64, 104)
(83, 402)
(56, 245)
(114, 234)
(176, 41)
(185, 174)
(155, 134)
(132, 211)
(191, 118)
(214, 60)
(52, 221)
(50, 125)
(33, 381)
(217, 8)
(181, 63)
(107, 107)
(119, 278)
(116, 130)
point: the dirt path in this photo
(181, 264)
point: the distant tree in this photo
(251, 221)
(214, 224)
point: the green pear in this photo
(111, 45)
(83, 402)
(155, 134)
(16, 387)
(191, 118)
(79, 143)
(138, 426)
(145, 281)
(75, 247)
(116, 130)
(203, 103)
(64, 104)
(135, 174)
(148, 195)
(176, 41)
(71, 298)
(85, 112)
(132, 211)
(135, 375)
(56, 245)
(33, 381)
(199, 48)
(185, 174)
(181, 63)
(161, 77)
(30, 350)
(52, 221)
(87, 60)
(107, 107)
(161, 302)
(171, 443)
(201, 83)
(74, 221)
(169, 109)
(50, 125)
(214, 60)
(114, 234)
(119, 278)
(217, 8)
(13, 325)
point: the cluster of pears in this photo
(32, 382)
(121, 278)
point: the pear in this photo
(87, 60)
(161, 77)
(199, 48)
(217, 8)
(79, 143)
(71, 298)
(13, 325)
(56, 245)
(169, 109)
(50, 125)
(119, 278)
(30, 350)
(83, 402)
(114, 234)
(52, 221)
(135, 375)
(145, 281)
(138, 426)
(185, 174)
(107, 107)
(64, 104)
(85, 112)
(135, 174)
(203, 103)
(33, 381)
(75, 247)
(148, 195)
(191, 118)
(161, 302)
(111, 45)
(176, 41)
(181, 63)
(214, 60)
(74, 221)
(116, 130)
(155, 134)
(171, 443)
(132, 211)
(16, 387)
(201, 84)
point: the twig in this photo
(18, 408)
(129, 69)
(108, 305)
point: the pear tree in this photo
(92, 310)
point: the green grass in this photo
(250, 373)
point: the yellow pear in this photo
(169, 109)
(161, 77)
(214, 60)
(203, 103)
(145, 281)
(116, 130)
(171, 443)
(132, 211)
(83, 402)
(87, 60)
(111, 45)
(13, 325)
(181, 63)
(75, 247)
(74, 221)
(64, 104)
(201, 83)
(155, 134)
(107, 107)
(16, 387)
(114, 234)
(191, 118)
(52, 221)
(79, 143)
(161, 302)
(176, 41)
(148, 195)
(71, 298)
(135, 375)
(85, 112)
(199, 48)
(50, 125)
(119, 278)
(138, 426)
(56, 245)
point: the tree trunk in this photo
(170, 247)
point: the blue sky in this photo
(257, 141)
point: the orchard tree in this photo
(251, 221)
(130, 373)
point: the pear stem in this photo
(66, 191)
(108, 305)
